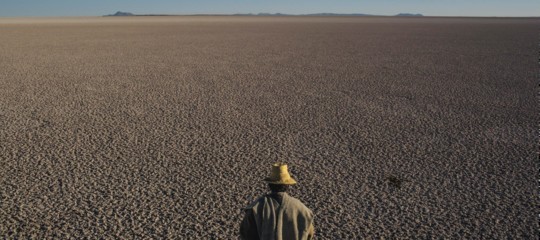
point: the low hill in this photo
(120, 14)
(409, 15)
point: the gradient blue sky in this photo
(501, 8)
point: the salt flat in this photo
(163, 127)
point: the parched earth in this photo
(164, 127)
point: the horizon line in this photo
(277, 14)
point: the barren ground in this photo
(153, 127)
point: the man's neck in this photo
(278, 196)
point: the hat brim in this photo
(289, 181)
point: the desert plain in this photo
(164, 127)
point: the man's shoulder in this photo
(255, 203)
(295, 201)
(297, 204)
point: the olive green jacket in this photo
(267, 219)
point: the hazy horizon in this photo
(459, 8)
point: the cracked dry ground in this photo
(163, 127)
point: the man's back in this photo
(277, 216)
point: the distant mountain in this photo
(409, 15)
(337, 14)
(262, 14)
(326, 14)
(120, 14)
(309, 14)
(272, 14)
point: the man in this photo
(277, 215)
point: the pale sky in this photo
(499, 8)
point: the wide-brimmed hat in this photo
(280, 175)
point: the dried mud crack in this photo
(164, 127)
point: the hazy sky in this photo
(500, 8)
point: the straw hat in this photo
(280, 175)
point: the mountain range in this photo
(123, 14)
